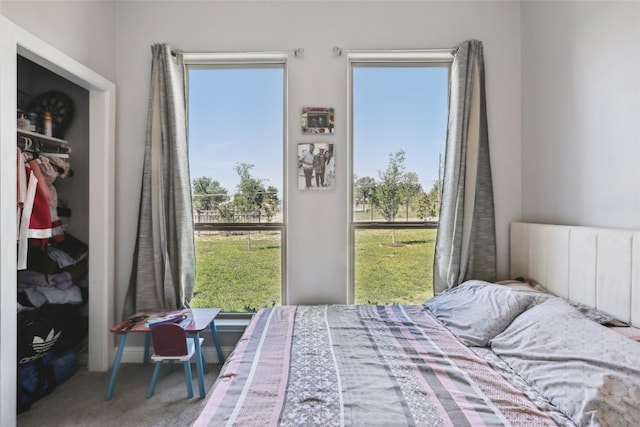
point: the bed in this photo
(557, 347)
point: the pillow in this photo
(540, 294)
(518, 285)
(476, 311)
(589, 312)
(630, 332)
(597, 315)
(589, 372)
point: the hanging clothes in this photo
(63, 166)
(39, 221)
(44, 225)
(26, 196)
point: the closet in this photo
(95, 184)
(53, 229)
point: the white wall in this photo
(84, 30)
(581, 113)
(319, 79)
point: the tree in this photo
(388, 194)
(250, 193)
(429, 203)
(271, 202)
(208, 194)
(410, 189)
(364, 188)
(250, 196)
(227, 214)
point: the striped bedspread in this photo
(359, 365)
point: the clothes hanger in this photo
(36, 150)
(27, 142)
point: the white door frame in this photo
(14, 41)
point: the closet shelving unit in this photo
(49, 144)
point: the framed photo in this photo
(317, 120)
(316, 166)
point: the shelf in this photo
(45, 144)
(41, 137)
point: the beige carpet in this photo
(80, 400)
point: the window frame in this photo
(379, 59)
(249, 60)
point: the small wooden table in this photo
(203, 318)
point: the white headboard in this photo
(595, 266)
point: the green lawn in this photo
(394, 274)
(236, 279)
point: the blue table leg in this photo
(196, 341)
(216, 341)
(147, 341)
(205, 365)
(116, 367)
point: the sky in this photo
(236, 116)
(400, 108)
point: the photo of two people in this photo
(316, 166)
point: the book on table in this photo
(142, 321)
(181, 317)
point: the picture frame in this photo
(317, 120)
(316, 166)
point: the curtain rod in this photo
(195, 56)
(446, 52)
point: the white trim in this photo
(135, 354)
(8, 263)
(16, 41)
(279, 59)
(373, 58)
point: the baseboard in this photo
(229, 331)
(135, 354)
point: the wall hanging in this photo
(317, 120)
(316, 166)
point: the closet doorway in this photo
(15, 42)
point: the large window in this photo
(236, 122)
(399, 114)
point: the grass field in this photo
(231, 277)
(394, 274)
(236, 279)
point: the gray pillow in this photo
(589, 372)
(589, 312)
(476, 311)
(597, 315)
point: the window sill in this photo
(232, 323)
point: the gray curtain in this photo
(163, 271)
(466, 240)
